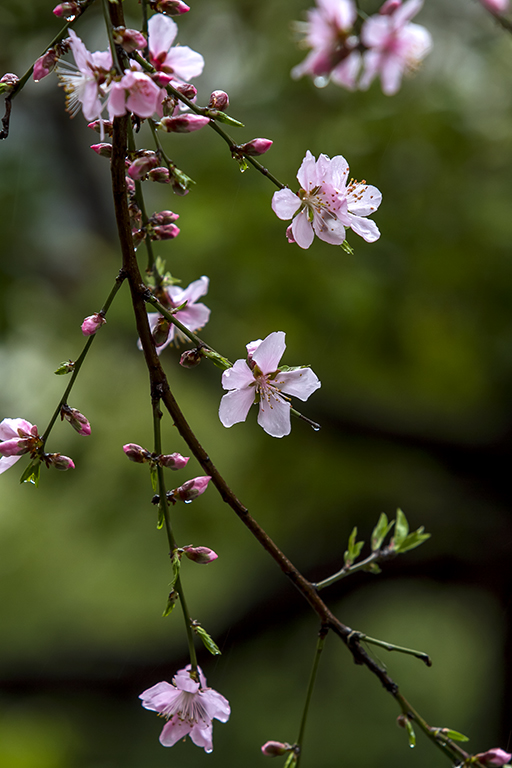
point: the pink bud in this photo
(256, 147)
(191, 357)
(219, 100)
(97, 125)
(130, 185)
(59, 462)
(165, 232)
(188, 90)
(171, 7)
(201, 555)
(68, 11)
(173, 460)
(76, 419)
(91, 324)
(160, 331)
(8, 82)
(45, 64)
(136, 453)
(389, 7)
(142, 165)
(184, 123)
(164, 217)
(104, 149)
(494, 758)
(276, 748)
(192, 488)
(129, 39)
(160, 174)
(15, 446)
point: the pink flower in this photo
(276, 748)
(91, 324)
(202, 555)
(173, 460)
(194, 316)
(326, 204)
(45, 64)
(136, 453)
(256, 147)
(334, 49)
(181, 61)
(260, 380)
(494, 758)
(85, 84)
(394, 44)
(496, 6)
(192, 488)
(184, 123)
(17, 437)
(189, 707)
(135, 92)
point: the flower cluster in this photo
(388, 44)
(18, 436)
(259, 379)
(327, 204)
(189, 707)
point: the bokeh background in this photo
(411, 337)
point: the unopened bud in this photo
(192, 488)
(389, 7)
(494, 758)
(91, 324)
(401, 721)
(187, 89)
(201, 555)
(8, 82)
(219, 100)
(45, 64)
(160, 174)
(164, 217)
(184, 123)
(129, 39)
(191, 357)
(173, 460)
(165, 232)
(160, 332)
(136, 453)
(130, 185)
(256, 147)
(99, 125)
(276, 748)
(142, 165)
(15, 447)
(104, 149)
(65, 367)
(68, 11)
(171, 7)
(76, 419)
(59, 462)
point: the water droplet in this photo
(316, 427)
(321, 81)
(188, 501)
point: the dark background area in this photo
(411, 338)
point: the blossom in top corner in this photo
(496, 6)
(327, 203)
(189, 707)
(259, 379)
(394, 44)
(194, 315)
(17, 436)
(180, 61)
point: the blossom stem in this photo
(391, 647)
(381, 555)
(78, 363)
(113, 49)
(139, 197)
(312, 678)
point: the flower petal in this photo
(9, 428)
(6, 462)
(285, 203)
(162, 32)
(365, 228)
(302, 230)
(270, 352)
(238, 376)
(184, 62)
(301, 383)
(274, 416)
(174, 730)
(235, 406)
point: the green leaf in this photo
(154, 476)
(171, 602)
(354, 548)
(372, 568)
(209, 643)
(401, 529)
(413, 540)
(217, 360)
(454, 735)
(184, 181)
(223, 118)
(380, 531)
(31, 473)
(291, 760)
(176, 564)
(410, 733)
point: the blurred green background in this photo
(411, 338)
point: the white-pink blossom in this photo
(189, 707)
(17, 437)
(394, 45)
(329, 33)
(85, 83)
(327, 203)
(180, 61)
(259, 379)
(194, 315)
(135, 92)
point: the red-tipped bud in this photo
(68, 11)
(494, 758)
(45, 64)
(96, 125)
(165, 232)
(91, 324)
(164, 217)
(256, 147)
(219, 100)
(192, 488)
(187, 89)
(59, 462)
(170, 7)
(173, 460)
(276, 748)
(160, 332)
(142, 165)
(76, 419)
(201, 555)
(129, 39)
(8, 82)
(191, 357)
(160, 174)
(184, 123)
(104, 149)
(136, 453)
